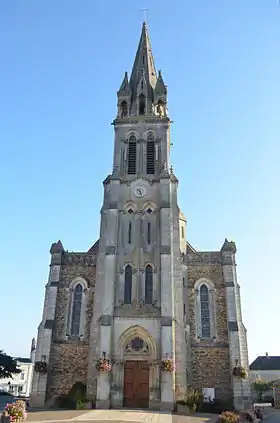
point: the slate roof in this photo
(266, 362)
(94, 248)
(148, 65)
(23, 360)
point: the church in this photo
(142, 316)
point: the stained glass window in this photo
(205, 312)
(127, 284)
(149, 284)
(76, 310)
(129, 233)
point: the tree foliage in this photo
(8, 366)
(261, 387)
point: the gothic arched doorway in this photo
(139, 374)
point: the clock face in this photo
(140, 192)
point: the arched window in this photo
(76, 310)
(129, 233)
(148, 284)
(150, 156)
(205, 312)
(142, 104)
(127, 284)
(123, 109)
(149, 233)
(131, 169)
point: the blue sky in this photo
(61, 65)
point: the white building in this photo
(265, 368)
(20, 384)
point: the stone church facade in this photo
(141, 293)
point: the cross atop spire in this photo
(145, 93)
(145, 11)
(144, 61)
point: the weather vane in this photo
(144, 11)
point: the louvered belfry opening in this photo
(131, 170)
(150, 157)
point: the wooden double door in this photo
(136, 384)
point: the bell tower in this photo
(139, 267)
(142, 103)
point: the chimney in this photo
(266, 354)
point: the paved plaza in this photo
(273, 417)
(115, 416)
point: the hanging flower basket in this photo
(167, 365)
(104, 365)
(239, 371)
(41, 367)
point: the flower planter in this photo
(16, 412)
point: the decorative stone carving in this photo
(82, 260)
(118, 362)
(155, 363)
(137, 345)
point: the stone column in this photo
(236, 331)
(44, 337)
(117, 384)
(155, 385)
(103, 380)
(167, 397)
(106, 286)
(167, 379)
(178, 325)
(103, 390)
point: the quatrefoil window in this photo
(149, 211)
(130, 211)
(136, 345)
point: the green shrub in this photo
(80, 405)
(194, 399)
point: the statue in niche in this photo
(160, 109)
(124, 109)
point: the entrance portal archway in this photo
(137, 369)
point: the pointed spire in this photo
(124, 88)
(144, 61)
(160, 86)
(57, 248)
(33, 345)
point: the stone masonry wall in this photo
(210, 362)
(68, 365)
(69, 357)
